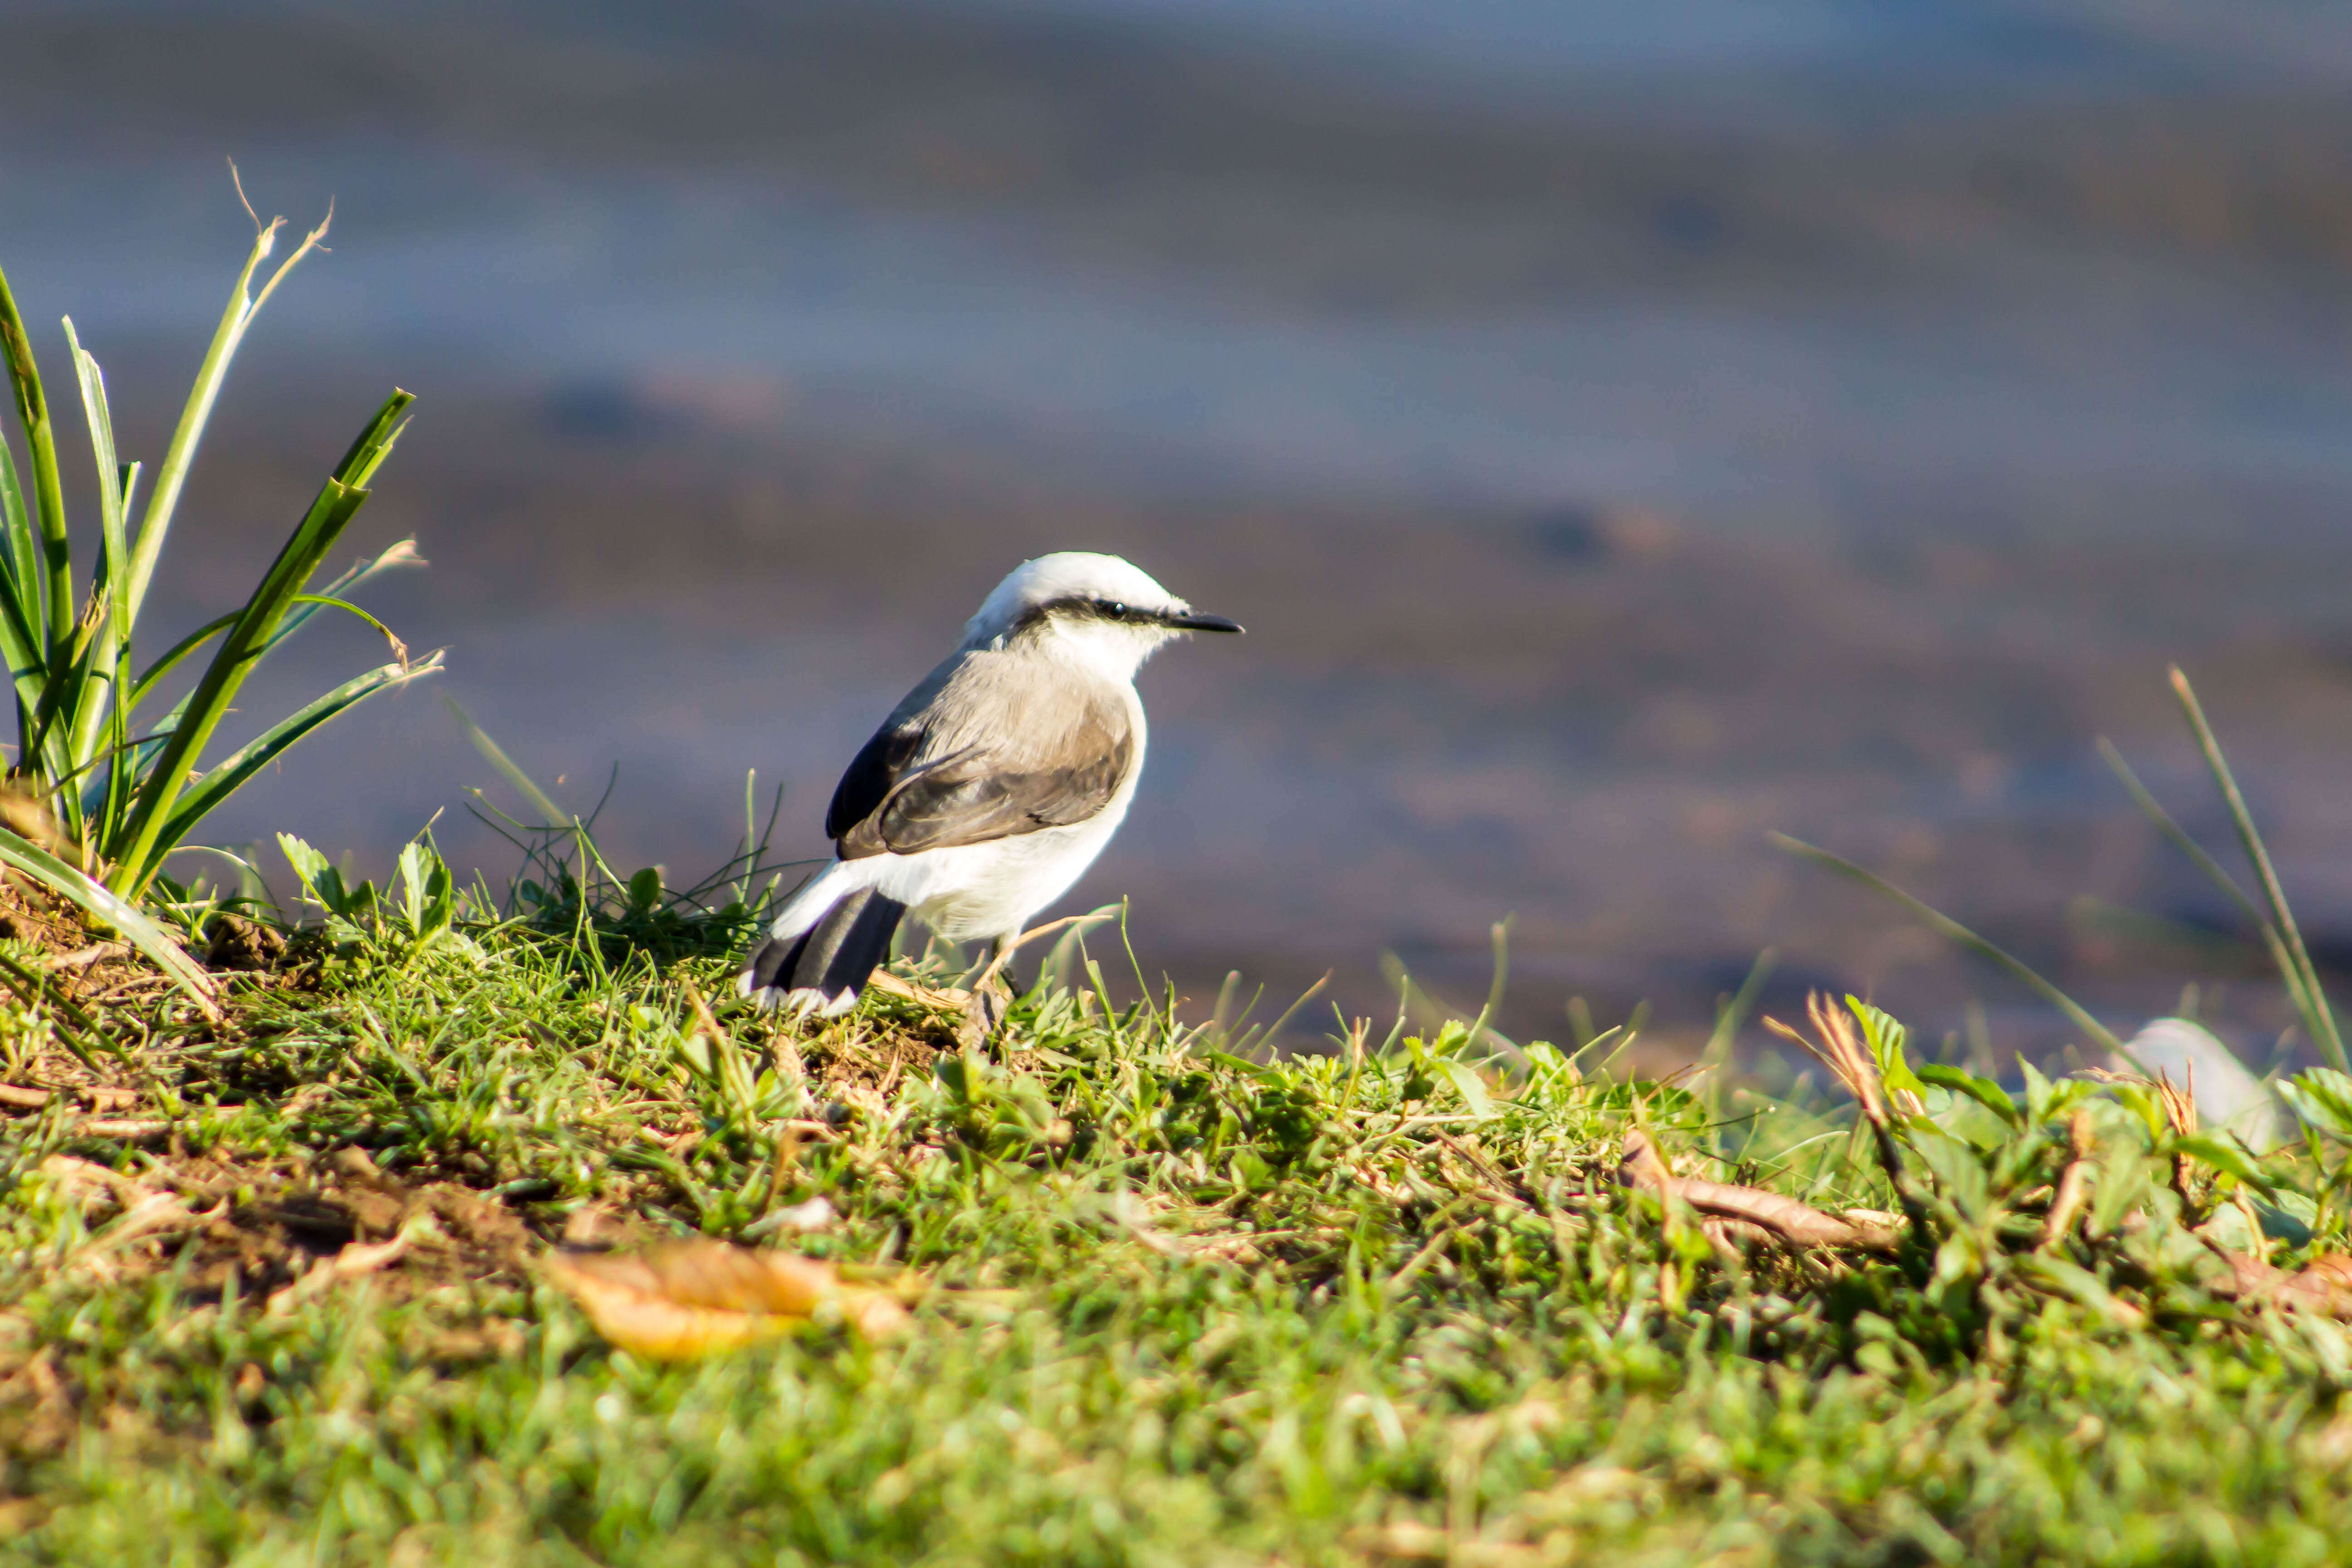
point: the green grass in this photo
(109, 774)
(1185, 1308)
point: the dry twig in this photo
(84, 957)
(1749, 1214)
(357, 1258)
(2073, 1183)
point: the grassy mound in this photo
(272, 1290)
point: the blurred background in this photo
(1624, 429)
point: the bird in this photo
(991, 787)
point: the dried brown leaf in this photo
(1406, 1541)
(146, 1211)
(86, 1179)
(24, 812)
(2323, 1285)
(692, 1298)
(2333, 1270)
(1842, 1051)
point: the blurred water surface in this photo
(1625, 430)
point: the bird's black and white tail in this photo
(824, 965)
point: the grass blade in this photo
(21, 561)
(206, 792)
(1954, 932)
(54, 553)
(76, 1029)
(2154, 811)
(20, 598)
(305, 606)
(94, 697)
(1731, 1014)
(145, 685)
(401, 554)
(173, 473)
(345, 492)
(101, 445)
(2302, 977)
(2274, 939)
(22, 854)
(550, 814)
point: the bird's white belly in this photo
(978, 891)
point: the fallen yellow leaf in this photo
(693, 1298)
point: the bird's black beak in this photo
(1189, 622)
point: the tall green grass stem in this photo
(1954, 932)
(2299, 969)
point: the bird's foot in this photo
(984, 1014)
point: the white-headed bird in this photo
(992, 786)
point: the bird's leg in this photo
(992, 995)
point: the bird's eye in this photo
(1112, 607)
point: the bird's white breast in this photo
(972, 892)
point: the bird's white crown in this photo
(1081, 576)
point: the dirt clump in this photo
(65, 953)
(282, 1232)
(242, 946)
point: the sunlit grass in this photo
(1363, 1306)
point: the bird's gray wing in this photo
(992, 745)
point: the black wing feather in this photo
(877, 769)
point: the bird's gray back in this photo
(990, 744)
